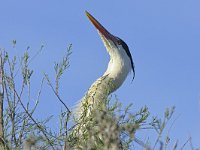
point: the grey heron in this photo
(119, 66)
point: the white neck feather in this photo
(118, 68)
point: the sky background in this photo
(163, 37)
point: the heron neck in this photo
(118, 69)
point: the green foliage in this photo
(64, 64)
(109, 127)
(17, 120)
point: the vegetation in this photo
(110, 127)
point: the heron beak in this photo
(100, 28)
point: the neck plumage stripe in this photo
(97, 93)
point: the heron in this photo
(119, 66)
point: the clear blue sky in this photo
(163, 37)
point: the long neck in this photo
(117, 71)
(96, 94)
(118, 67)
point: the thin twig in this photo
(36, 54)
(41, 129)
(141, 143)
(54, 91)
(191, 145)
(188, 140)
(1, 101)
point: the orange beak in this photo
(100, 28)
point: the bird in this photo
(119, 66)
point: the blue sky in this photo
(163, 37)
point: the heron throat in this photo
(119, 65)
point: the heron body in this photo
(119, 66)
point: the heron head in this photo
(110, 41)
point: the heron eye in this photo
(119, 42)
